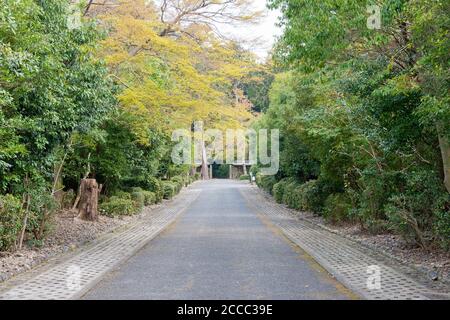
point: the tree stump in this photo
(88, 205)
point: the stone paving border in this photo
(349, 262)
(73, 277)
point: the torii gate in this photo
(235, 170)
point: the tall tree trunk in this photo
(88, 171)
(444, 145)
(88, 207)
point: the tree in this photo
(370, 107)
(51, 83)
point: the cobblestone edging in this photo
(349, 262)
(71, 278)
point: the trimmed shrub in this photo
(169, 189)
(10, 221)
(266, 182)
(123, 195)
(149, 198)
(154, 185)
(138, 198)
(116, 206)
(313, 196)
(419, 210)
(293, 196)
(244, 177)
(442, 222)
(337, 208)
(178, 182)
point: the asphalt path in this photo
(219, 249)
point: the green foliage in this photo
(138, 198)
(51, 86)
(244, 177)
(265, 182)
(123, 195)
(315, 192)
(11, 221)
(364, 114)
(337, 208)
(256, 89)
(154, 185)
(279, 189)
(149, 198)
(178, 181)
(68, 199)
(414, 212)
(117, 206)
(221, 171)
(115, 156)
(308, 196)
(42, 209)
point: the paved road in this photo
(219, 249)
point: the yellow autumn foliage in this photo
(171, 81)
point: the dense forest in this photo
(95, 89)
(364, 115)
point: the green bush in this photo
(149, 198)
(187, 180)
(289, 197)
(178, 181)
(154, 185)
(197, 176)
(68, 199)
(279, 189)
(442, 222)
(337, 208)
(116, 206)
(41, 212)
(314, 194)
(266, 182)
(294, 196)
(169, 189)
(10, 221)
(123, 195)
(309, 196)
(244, 177)
(138, 198)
